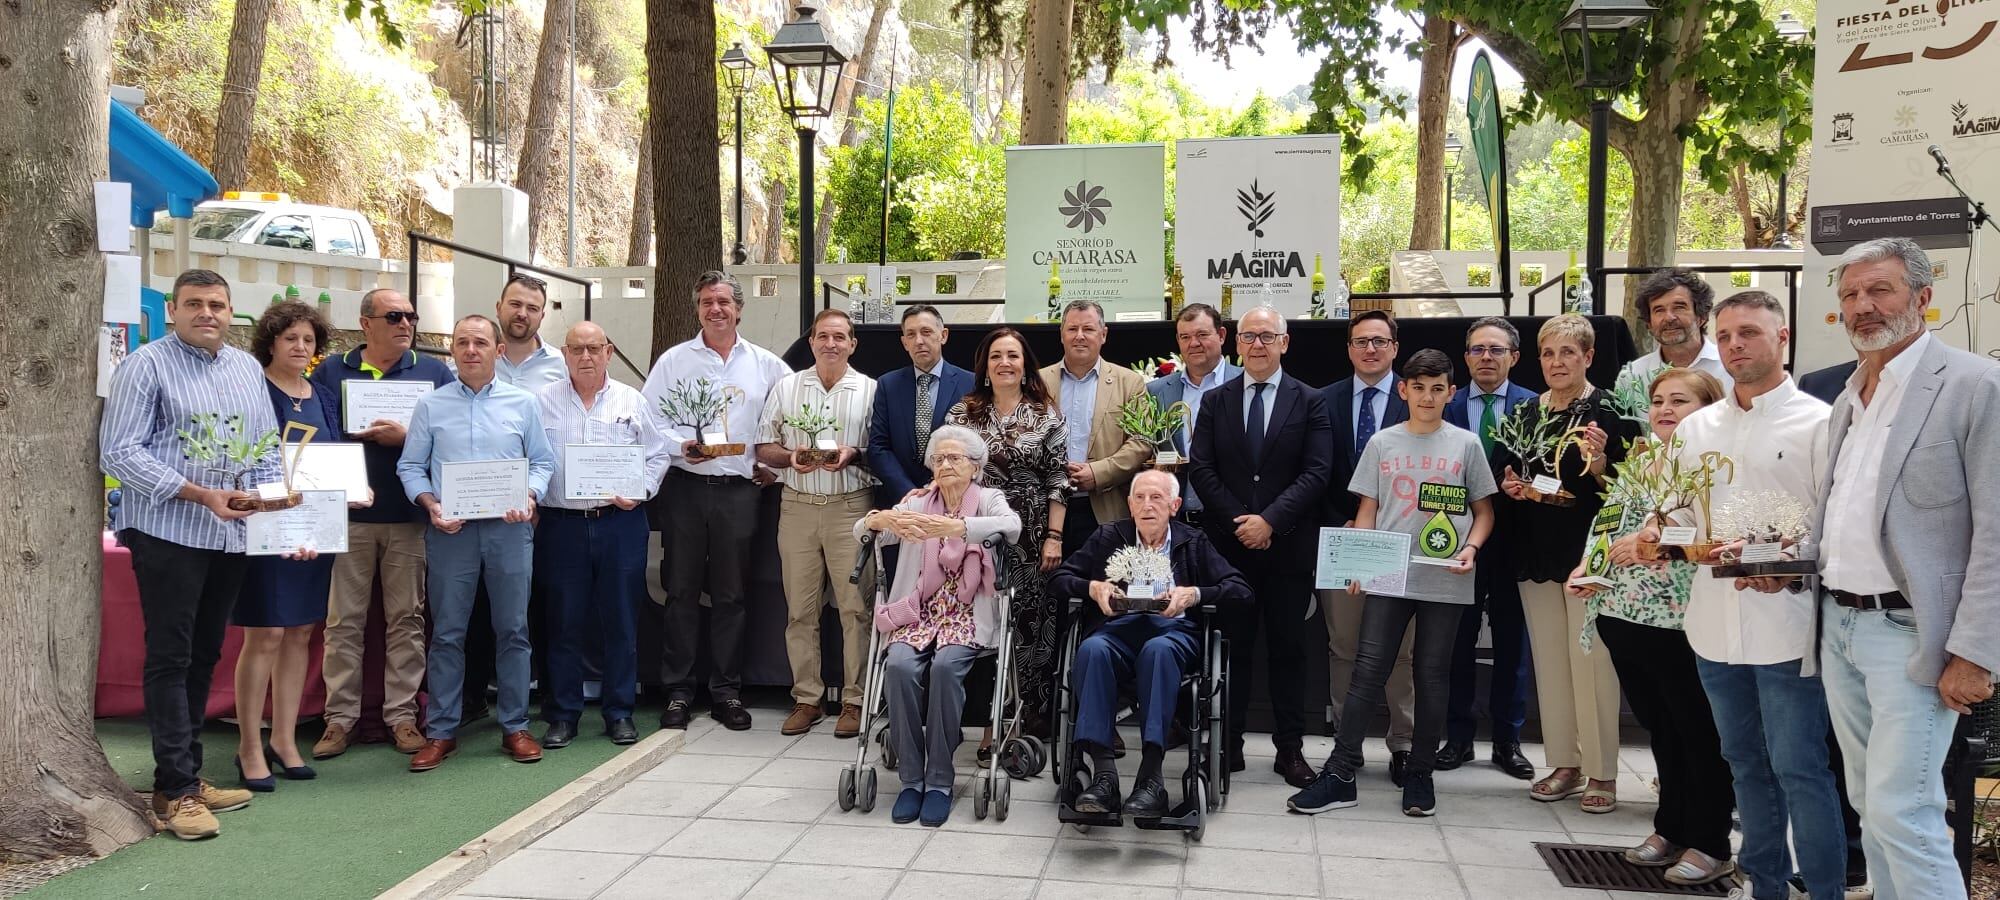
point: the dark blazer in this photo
(1456, 409)
(1195, 561)
(1458, 412)
(892, 431)
(1340, 505)
(1285, 488)
(1826, 384)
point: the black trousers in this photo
(1079, 522)
(1496, 594)
(1657, 670)
(1384, 621)
(707, 541)
(185, 595)
(1281, 598)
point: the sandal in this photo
(1696, 867)
(1598, 801)
(1553, 788)
(985, 754)
(1656, 853)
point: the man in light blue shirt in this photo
(1200, 334)
(526, 362)
(476, 418)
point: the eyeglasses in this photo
(951, 459)
(1370, 343)
(396, 317)
(587, 349)
(1489, 350)
(1258, 337)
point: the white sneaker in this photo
(1861, 892)
(1743, 892)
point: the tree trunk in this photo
(1657, 156)
(545, 103)
(1045, 90)
(638, 251)
(1433, 104)
(850, 130)
(236, 118)
(774, 222)
(687, 161)
(1739, 195)
(58, 795)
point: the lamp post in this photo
(1601, 43)
(735, 68)
(806, 67)
(1452, 148)
(1791, 31)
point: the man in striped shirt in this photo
(816, 524)
(186, 543)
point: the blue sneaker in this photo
(1419, 797)
(908, 803)
(1327, 792)
(937, 808)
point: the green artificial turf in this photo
(365, 824)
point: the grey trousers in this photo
(926, 730)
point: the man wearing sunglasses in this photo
(385, 539)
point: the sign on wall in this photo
(1099, 212)
(1256, 211)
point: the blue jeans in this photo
(454, 563)
(1150, 651)
(593, 574)
(1893, 736)
(1773, 727)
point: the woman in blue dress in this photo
(283, 600)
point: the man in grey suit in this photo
(1910, 603)
(1200, 334)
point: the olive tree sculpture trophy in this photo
(225, 447)
(819, 426)
(1538, 439)
(702, 406)
(1143, 417)
(1142, 577)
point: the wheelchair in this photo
(1017, 755)
(1202, 712)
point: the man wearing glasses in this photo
(384, 540)
(1358, 407)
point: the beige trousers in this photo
(816, 543)
(396, 549)
(1577, 691)
(1343, 637)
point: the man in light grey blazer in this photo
(1200, 334)
(1909, 563)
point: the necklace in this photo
(298, 402)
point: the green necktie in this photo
(1486, 423)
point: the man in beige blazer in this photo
(1088, 392)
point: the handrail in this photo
(1561, 278)
(1792, 272)
(418, 239)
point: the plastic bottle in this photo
(1341, 308)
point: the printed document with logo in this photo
(329, 466)
(604, 471)
(363, 401)
(319, 523)
(1379, 560)
(483, 489)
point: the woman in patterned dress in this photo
(1640, 621)
(1011, 410)
(942, 611)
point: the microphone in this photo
(1944, 168)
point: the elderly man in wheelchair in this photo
(1144, 575)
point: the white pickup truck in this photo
(272, 219)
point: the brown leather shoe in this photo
(523, 747)
(433, 755)
(804, 716)
(408, 738)
(850, 721)
(332, 743)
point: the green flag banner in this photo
(1489, 146)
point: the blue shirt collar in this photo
(1387, 384)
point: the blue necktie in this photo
(1365, 428)
(1255, 428)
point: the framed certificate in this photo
(331, 466)
(483, 489)
(604, 471)
(319, 523)
(364, 400)
(1380, 560)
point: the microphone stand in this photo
(1979, 218)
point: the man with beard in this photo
(1676, 303)
(527, 362)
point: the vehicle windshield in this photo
(213, 223)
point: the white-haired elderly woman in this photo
(939, 614)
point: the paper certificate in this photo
(319, 523)
(330, 466)
(604, 471)
(363, 401)
(483, 489)
(1380, 560)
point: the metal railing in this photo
(1560, 279)
(418, 240)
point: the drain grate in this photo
(1605, 868)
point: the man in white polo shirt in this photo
(1676, 304)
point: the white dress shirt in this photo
(1852, 546)
(1270, 396)
(1383, 389)
(750, 369)
(851, 402)
(617, 415)
(1708, 360)
(1777, 445)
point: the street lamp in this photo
(1601, 44)
(735, 68)
(1791, 31)
(806, 67)
(1452, 148)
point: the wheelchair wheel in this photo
(888, 747)
(1001, 793)
(866, 791)
(1199, 793)
(1023, 757)
(846, 793)
(982, 789)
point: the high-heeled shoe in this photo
(291, 773)
(262, 785)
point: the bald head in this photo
(1153, 499)
(587, 352)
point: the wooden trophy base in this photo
(813, 457)
(1559, 498)
(259, 504)
(713, 451)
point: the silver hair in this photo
(1081, 305)
(1916, 263)
(1283, 325)
(1160, 473)
(975, 448)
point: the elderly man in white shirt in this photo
(1676, 304)
(713, 513)
(823, 499)
(1754, 650)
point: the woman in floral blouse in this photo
(1639, 619)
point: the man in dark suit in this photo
(1827, 383)
(1492, 347)
(1357, 407)
(1262, 454)
(910, 404)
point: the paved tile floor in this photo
(752, 814)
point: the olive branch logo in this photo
(1085, 206)
(1256, 206)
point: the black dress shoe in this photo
(621, 731)
(1452, 755)
(1236, 763)
(1399, 766)
(676, 715)
(559, 735)
(1292, 764)
(1101, 796)
(1148, 800)
(732, 715)
(1507, 758)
